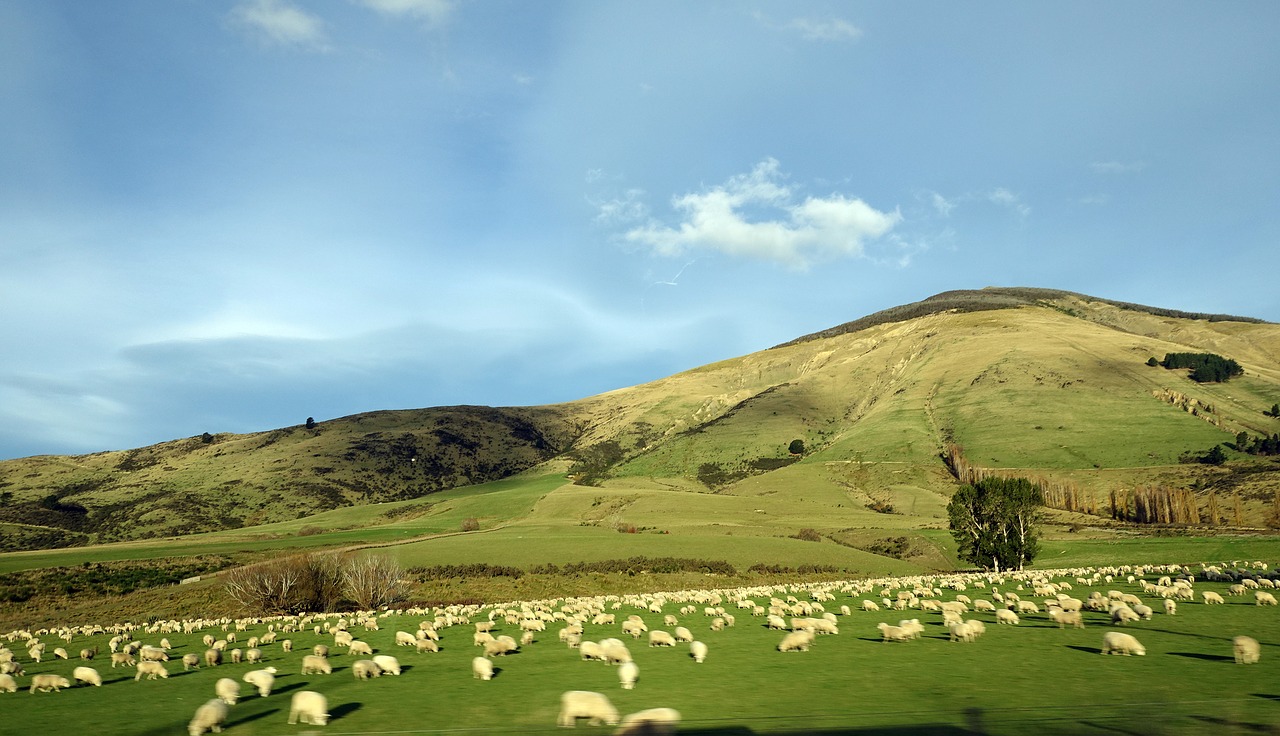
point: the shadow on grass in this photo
(1206, 657)
(1087, 650)
(339, 712)
(288, 688)
(1268, 696)
(1226, 723)
(915, 729)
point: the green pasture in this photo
(1030, 678)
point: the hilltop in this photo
(1050, 384)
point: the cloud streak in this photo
(785, 231)
(279, 22)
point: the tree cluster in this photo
(1205, 367)
(316, 582)
(1258, 445)
(994, 522)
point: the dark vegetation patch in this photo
(761, 568)
(97, 579)
(474, 570)
(638, 565)
(1203, 367)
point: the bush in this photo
(470, 524)
(808, 535)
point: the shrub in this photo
(808, 535)
(470, 524)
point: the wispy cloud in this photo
(1006, 198)
(824, 29)
(434, 12)
(279, 22)
(1117, 167)
(789, 232)
(941, 204)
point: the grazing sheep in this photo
(615, 652)
(628, 673)
(977, 627)
(1005, 616)
(253, 655)
(634, 628)
(1246, 649)
(962, 632)
(123, 659)
(426, 645)
(60, 653)
(309, 707)
(912, 626)
(45, 683)
(87, 675)
(286, 646)
(237, 656)
(88, 654)
(1115, 642)
(870, 606)
(595, 707)
(1067, 618)
(227, 690)
(261, 679)
(1170, 606)
(1211, 598)
(591, 650)
(8, 684)
(698, 651)
(776, 622)
(683, 634)
(366, 669)
(390, 665)
(983, 605)
(1028, 607)
(314, 665)
(320, 650)
(208, 717)
(1264, 598)
(1144, 612)
(659, 638)
(212, 658)
(1123, 615)
(481, 668)
(890, 633)
(190, 660)
(153, 654)
(796, 641)
(360, 647)
(651, 722)
(152, 670)
(526, 638)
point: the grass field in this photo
(1030, 678)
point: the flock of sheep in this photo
(963, 603)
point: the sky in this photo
(231, 215)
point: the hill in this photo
(1044, 383)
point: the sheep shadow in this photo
(915, 729)
(1268, 696)
(288, 688)
(1224, 723)
(341, 711)
(1206, 657)
(1086, 650)
(252, 717)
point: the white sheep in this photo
(426, 645)
(962, 632)
(1211, 598)
(45, 683)
(698, 651)
(365, 669)
(123, 659)
(683, 634)
(591, 650)
(1005, 616)
(152, 670)
(8, 684)
(310, 707)
(481, 668)
(890, 633)
(87, 675)
(628, 673)
(1170, 606)
(615, 652)
(360, 647)
(208, 717)
(977, 627)
(390, 665)
(212, 658)
(191, 660)
(651, 722)
(316, 665)
(1067, 618)
(262, 679)
(796, 641)
(595, 707)
(227, 690)
(1115, 642)
(1263, 598)
(659, 638)
(1246, 649)
(1123, 615)
(1143, 611)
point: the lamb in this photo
(314, 665)
(152, 670)
(190, 660)
(390, 665)
(651, 722)
(1115, 642)
(1005, 616)
(366, 669)
(208, 717)
(481, 668)
(261, 679)
(227, 690)
(310, 707)
(8, 684)
(595, 707)
(87, 675)
(796, 641)
(1211, 598)
(659, 638)
(1264, 598)
(45, 683)
(628, 673)
(698, 651)
(1246, 649)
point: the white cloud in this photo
(622, 210)
(433, 12)
(280, 22)
(942, 204)
(717, 219)
(830, 29)
(1117, 167)
(1006, 198)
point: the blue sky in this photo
(230, 216)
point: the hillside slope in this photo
(1030, 381)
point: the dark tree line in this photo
(1263, 445)
(1205, 367)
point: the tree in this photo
(994, 522)
(373, 581)
(796, 447)
(1275, 411)
(1152, 361)
(311, 422)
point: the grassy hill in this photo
(1049, 384)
